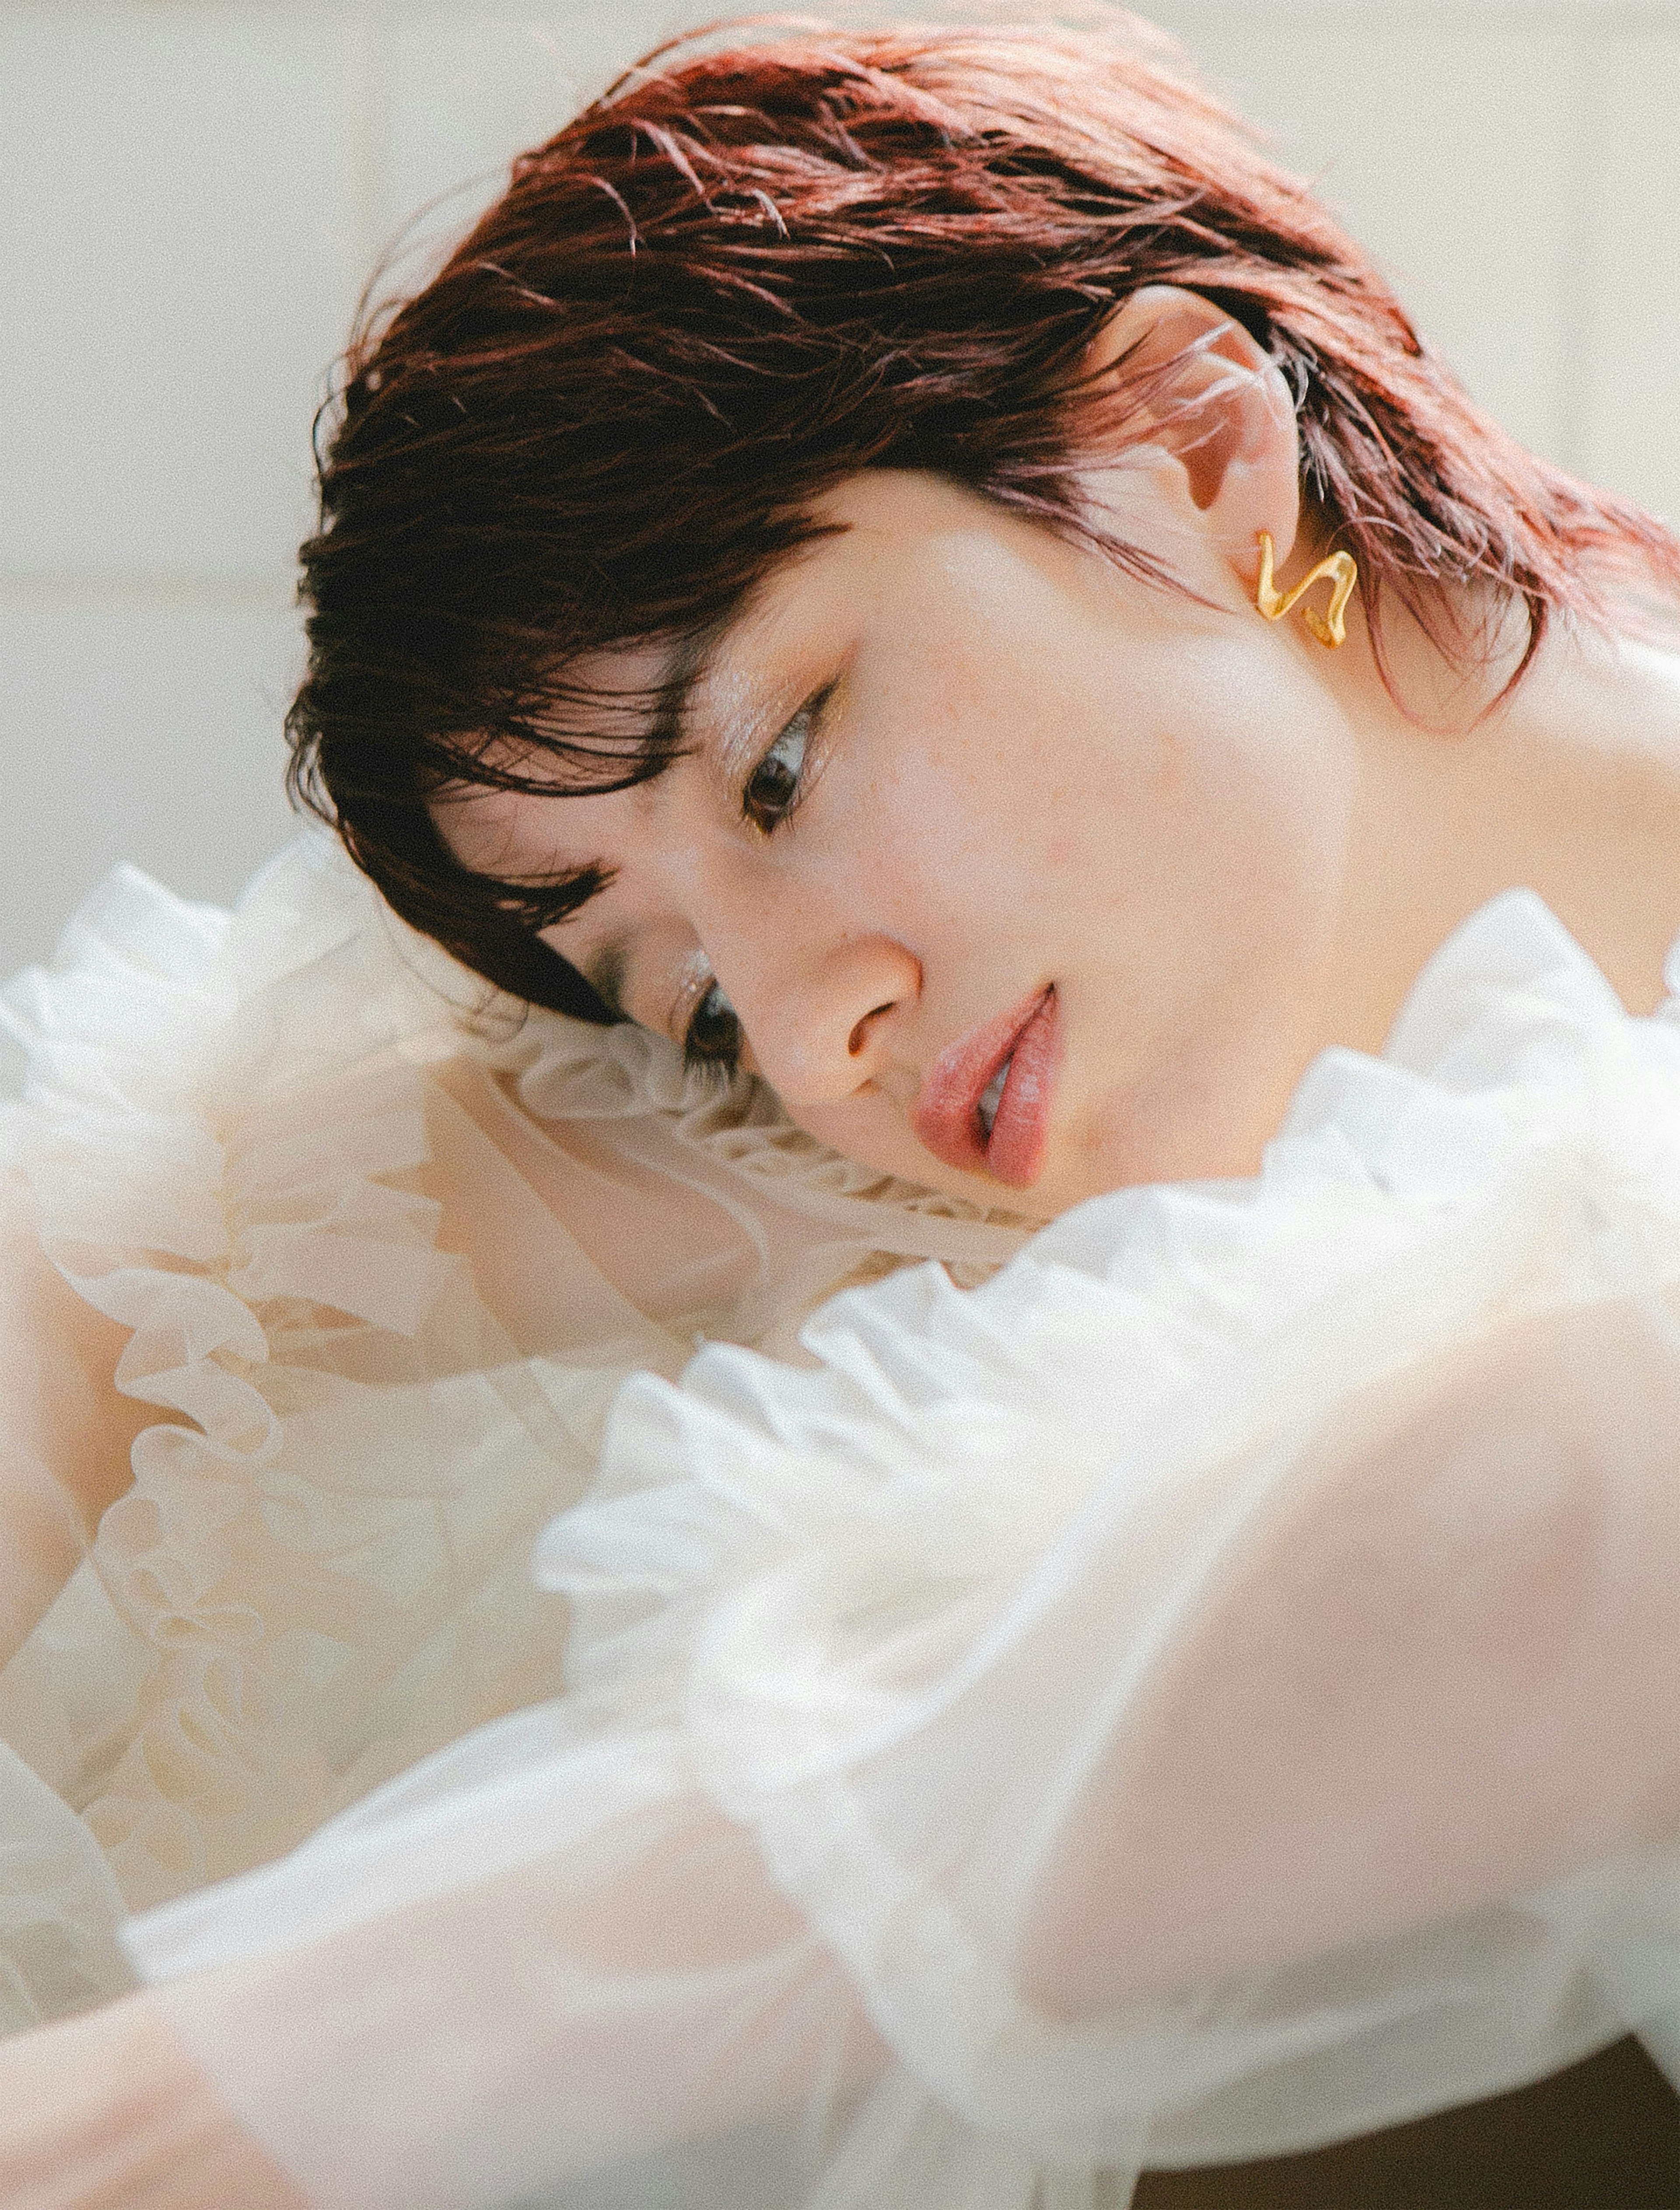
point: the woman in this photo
(914, 574)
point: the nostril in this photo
(860, 1034)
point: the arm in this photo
(1214, 1822)
(65, 1431)
(1437, 1669)
(109, 2109)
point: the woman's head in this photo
(802, 365)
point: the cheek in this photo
(1242, 801)
(1186, 809)
(981, 797)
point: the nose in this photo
(819, 1018)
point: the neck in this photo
(1569, 787)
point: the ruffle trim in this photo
(781, 1573)
(764, 1542)
(217, 1169)
(565, 1070)
(223, 1118)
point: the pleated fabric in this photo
(1185, 1685)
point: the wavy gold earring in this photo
(1341, 571)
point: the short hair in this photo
(742, 275)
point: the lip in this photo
(945, 1114)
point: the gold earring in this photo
(1341, 571)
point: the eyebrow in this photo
(687, 664)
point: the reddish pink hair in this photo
(740, 277)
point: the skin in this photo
(108, 2111)
(1225, 847)
(65, 1433)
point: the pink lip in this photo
(946, 1113)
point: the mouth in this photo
(984, 1104)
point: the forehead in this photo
(679, 694)
(614, 699)
(724, 693)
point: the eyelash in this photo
(766, 814)
(722, 1050)
(765, 811)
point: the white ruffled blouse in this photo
(682, 1708)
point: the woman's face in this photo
(1021, 879)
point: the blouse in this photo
(644, 1664)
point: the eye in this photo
(713, 1034)
(772, 788)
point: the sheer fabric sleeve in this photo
(1208, 1690)
(65, 1435)
(65, 1430)
(65, 1439)
(319, 1269)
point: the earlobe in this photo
(1215, 404)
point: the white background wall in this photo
(193, 192)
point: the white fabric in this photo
(385, 1248)
(1205, 1690)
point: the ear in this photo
(1217, 419)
